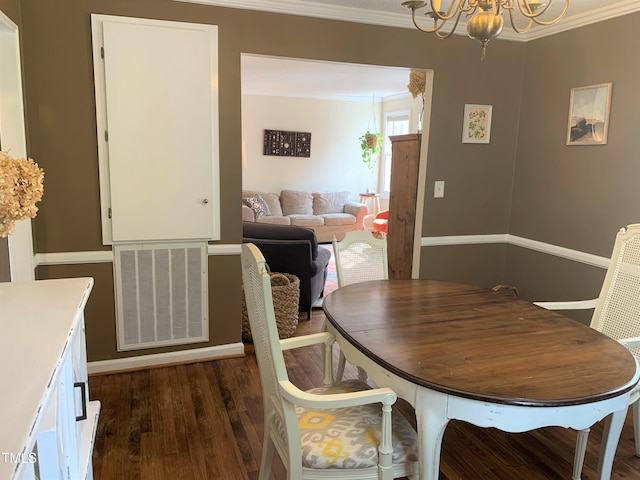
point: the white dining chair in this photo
(617, 315)
(359, 257)
(339, 431)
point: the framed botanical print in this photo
(476, 126)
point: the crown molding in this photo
(316, 10)
(587, 18)
(389, 19)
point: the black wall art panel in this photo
(287, 144)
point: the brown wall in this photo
(11, 8)
(574, 196)
(474, 264)
(61, 112)
(526, 182)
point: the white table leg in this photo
(581, 450)
(610, 438)
(431, 418)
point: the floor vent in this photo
(161, 294)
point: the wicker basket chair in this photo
(354, 420)
(617, 315)
(359, 257)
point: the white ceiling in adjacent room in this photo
(275, 76)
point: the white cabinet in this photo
(48, 421)
(156, 86)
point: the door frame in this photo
(12, 126)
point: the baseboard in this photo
(165, 359)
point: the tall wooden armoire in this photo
(402, 203)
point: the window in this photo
(395, 123)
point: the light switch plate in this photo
(438, 189)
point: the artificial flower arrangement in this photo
(417, 83)
(20, 189)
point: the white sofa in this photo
(328, 214)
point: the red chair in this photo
(381, 221)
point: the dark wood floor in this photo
(204, 421)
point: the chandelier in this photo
(485, 20)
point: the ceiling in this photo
(263, 75)
(576, 7)
(289, 77)
(391, 12)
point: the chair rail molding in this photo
(106, 256)
(575, 255)
(548, 248)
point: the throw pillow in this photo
(257, 204)
(271, 199)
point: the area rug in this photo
(332, 278)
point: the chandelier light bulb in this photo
(484, 17)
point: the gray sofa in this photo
(292, 249)
(327, 214)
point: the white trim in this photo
(316, 10)
(390, 19)
(157, 359)
(586, 18)
(422, 175)
(224, 250)
(576, 256)
(550, 249)
(69, 258)
(72, 258)
(12, 124)
(106, 256)
(21, 258)
(463, 240)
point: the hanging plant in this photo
(370, 144)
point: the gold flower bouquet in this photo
(20, 189)
(417, 83)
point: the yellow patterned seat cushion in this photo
(349, 437)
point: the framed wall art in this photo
(476, 125)
(287, 144)
(589, 115)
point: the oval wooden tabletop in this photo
(475, 343)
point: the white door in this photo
(158, 129)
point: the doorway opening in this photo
(333, 101)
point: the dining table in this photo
(463, 352)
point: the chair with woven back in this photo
(359, 257)
(341, 430)
(617, 315)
